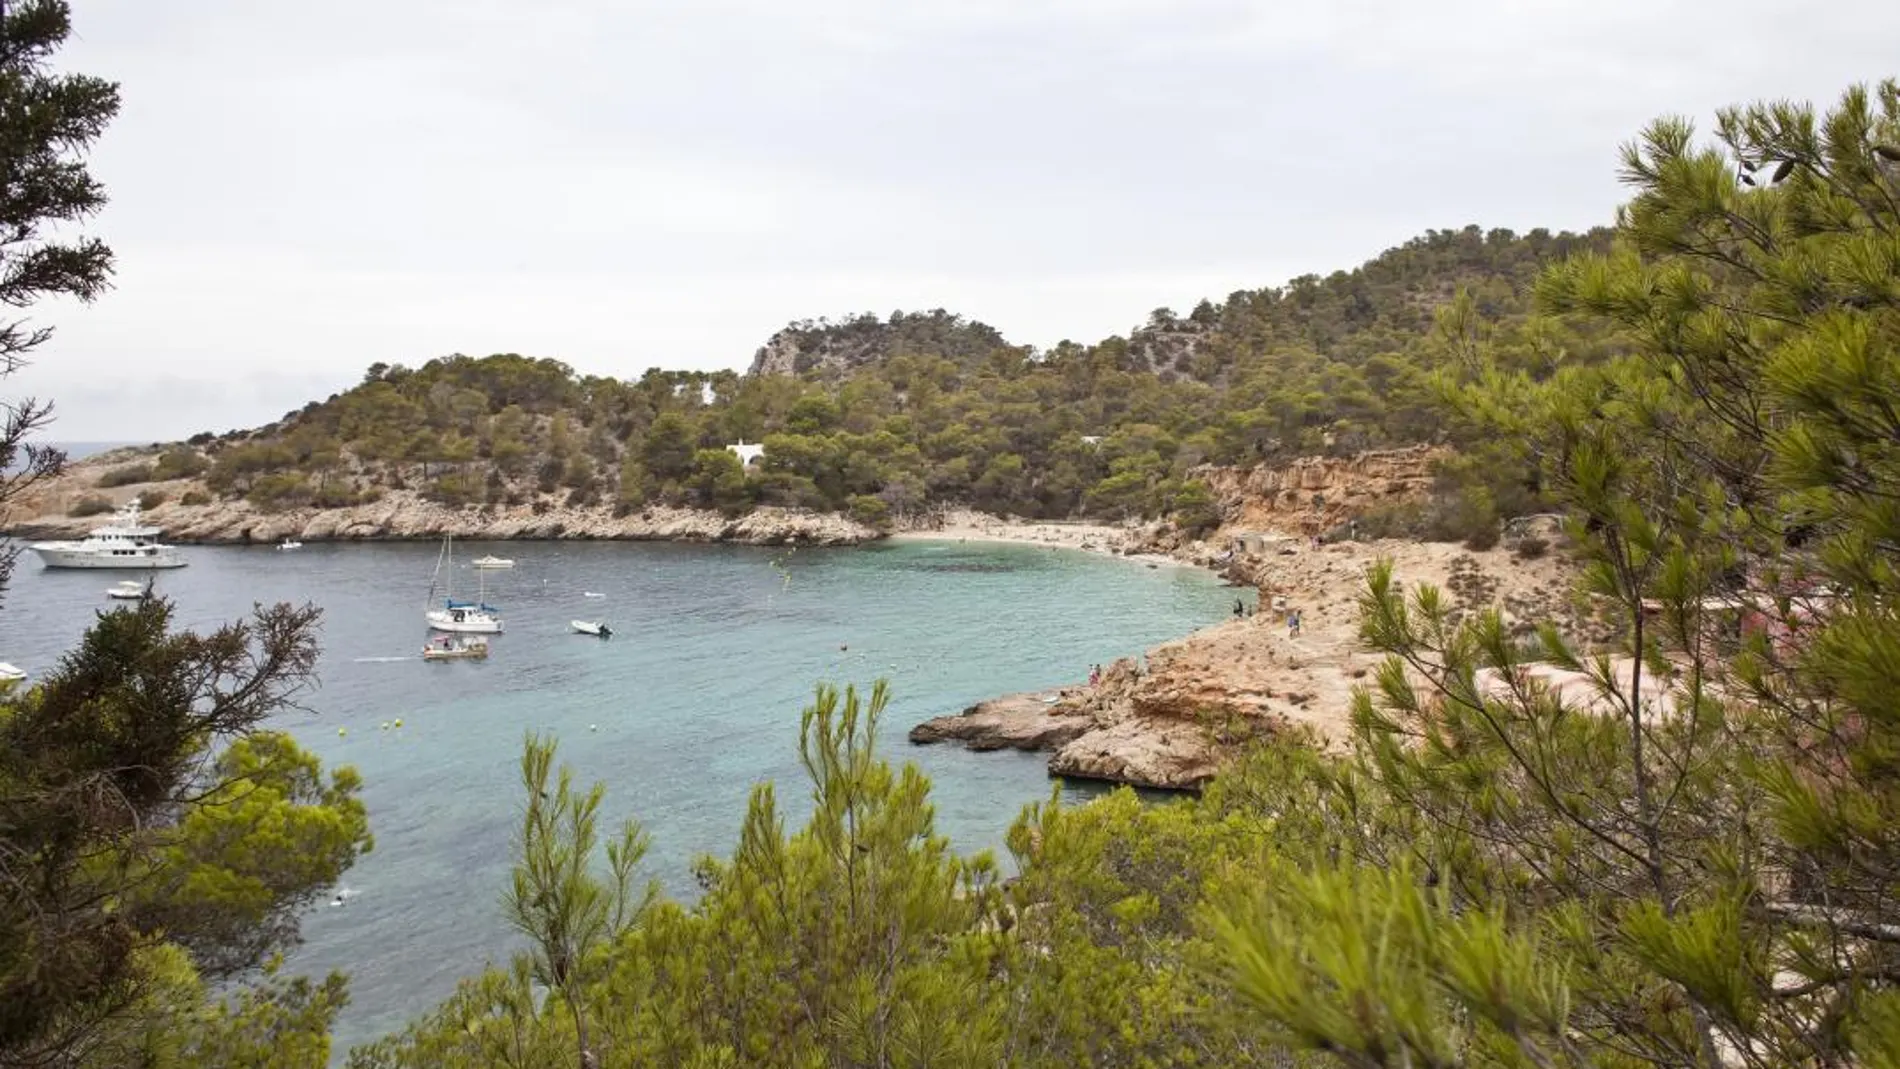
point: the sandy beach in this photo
(965, 525)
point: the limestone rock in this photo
(1033, 721)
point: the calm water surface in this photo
(694, 700)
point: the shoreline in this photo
(1119, 542)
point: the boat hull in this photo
(585, 627)
(53, 556)
(469, 624)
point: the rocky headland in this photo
(191, 515)
(1169, 718)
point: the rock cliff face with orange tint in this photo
(1314, 494)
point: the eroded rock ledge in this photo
(404, 515)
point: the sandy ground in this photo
(964, 525)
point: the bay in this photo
(693, 701)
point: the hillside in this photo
(833, 349)
(889, 421)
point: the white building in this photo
(749, 453)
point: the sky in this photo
(300, 190)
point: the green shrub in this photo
(179, 464)
(280, 490)
(1195, 511)
(151, 499)
(871, 511)
(89, 506)
(1531, 548)
(195, 498)
(125, 476)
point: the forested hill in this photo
(886, 417)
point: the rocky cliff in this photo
(1311, 495)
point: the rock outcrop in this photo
(1033, 721)
(1173, 721)
(403, 514)
(1312, 495)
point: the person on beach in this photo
(1095, 675)
(1240, 608)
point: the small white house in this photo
(749, 453)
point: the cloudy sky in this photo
(302, 189)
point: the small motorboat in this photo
(290, 543)
(456, 649)
(595, 627)
(129, 590)
(491, 563)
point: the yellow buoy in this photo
(342, 731)
(399, 721)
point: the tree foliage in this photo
(154, 837)
(47, 121)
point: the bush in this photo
(179, 464)
(278, 491)
(1531, 547)
(89, 506)
(151, 499)
(195, 498)
(1195, 511)
(871, 511)
(125, 476)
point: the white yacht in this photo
(465, 617)
(492, 562)
(123, 543)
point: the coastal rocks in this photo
(1171, 756)
(1169, 727)
(1034, 721)
(403, 515)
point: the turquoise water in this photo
(694, 700)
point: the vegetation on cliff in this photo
(930, 410)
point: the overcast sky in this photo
(302, 189)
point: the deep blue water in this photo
(694, 700)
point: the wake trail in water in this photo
(380, 660)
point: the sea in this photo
(693, 700)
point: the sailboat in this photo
(467, 617)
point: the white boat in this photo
(466, 617)
(595, 627)
(290, 543)
(10, 677)
(123, 543)
(129, 590)
(489, 563)
(456, 649)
